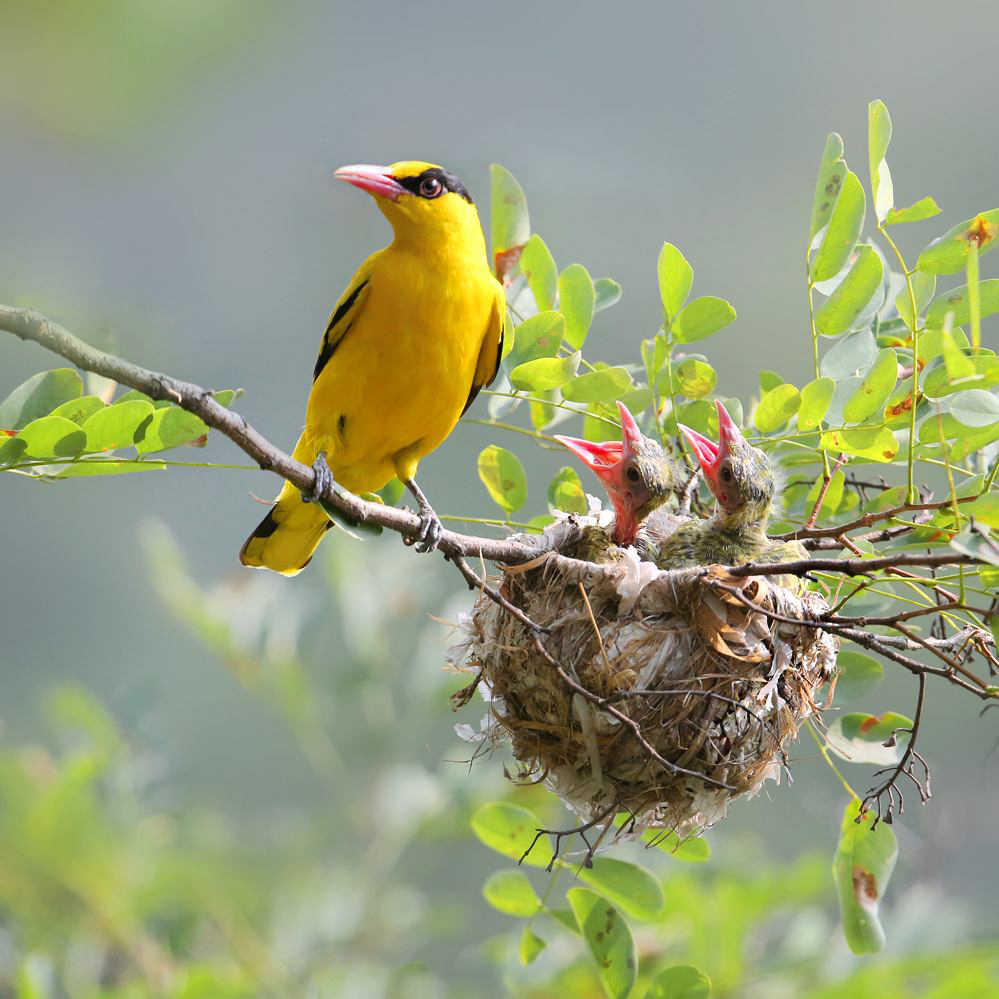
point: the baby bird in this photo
(745, 485)
(639, 478)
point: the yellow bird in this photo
(416, 335)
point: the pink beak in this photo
(375, 180)
(605, 459)
(710, 455)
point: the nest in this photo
(716, 689)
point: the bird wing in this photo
(492, 348)
(344, 315)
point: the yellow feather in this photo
(400, 360)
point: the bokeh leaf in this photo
(503, 476)
(531, 945)
(865, 859)
(510, 830)
(683, 981)
(628, 886)
(608, 293)
(609, 941)
(511, 892)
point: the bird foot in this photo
(323, 481)
(428, 536)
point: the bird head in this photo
(636, 472)
(740, 476)
(418, 199)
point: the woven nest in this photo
(718, 690)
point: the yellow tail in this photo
(286, 539)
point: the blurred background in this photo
(262, 771)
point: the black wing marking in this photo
(333, 338)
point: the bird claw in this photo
(323, 480)
(429, 536)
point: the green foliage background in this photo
(298, 821)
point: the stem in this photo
(832, 766)
(815, 346)
(913, 324)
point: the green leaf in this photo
(694, 378)
(538, 266)
(38, 396)
(170, 428)
(531, 945)
(626, 885)
(776, 408)
(577, 302)
(865, 859)
(511, 893)
(859, 675)
(860, 738)
(849, 354)
(923, 286)
(52, 437)
(874, 390)
(503, 476)
(815, 399)
(981, 371)
(682, 981)
(539, 336)
(11, 451)
(509, 220)
(543, 412)
(605, 385)
(608, 293)
(833, 496)
(116, 426)
(675, 278)
(832, 173)
(947, 254)
(769, 380)
(877, 444)
(843, 230)
(924, 208)
(701, 318)
(609, 941)
(510, 830)
(852, 295)
(566, 492)
(545, 373)
(78, 410)
(878, 137)
(956, 301)
(692, 850)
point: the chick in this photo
(639, 478)
(745, 484)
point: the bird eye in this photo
(632, 474)
(431, 187)
(726, 474)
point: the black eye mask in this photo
(447, 180)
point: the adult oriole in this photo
(416, 335)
